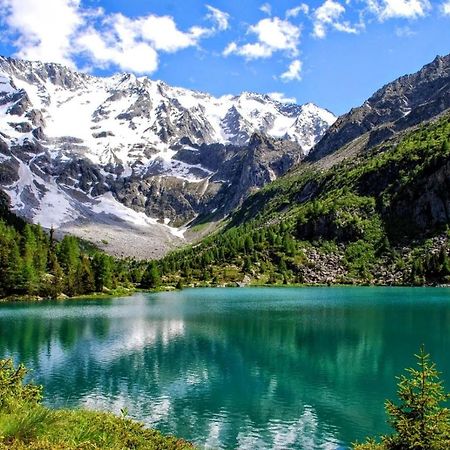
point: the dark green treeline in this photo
(33, 263)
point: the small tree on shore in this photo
(151, 278)
(420, 420)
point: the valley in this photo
(119, 194)
(224, 225)
(367, 204)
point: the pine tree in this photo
(54, 282)
(13, 275)
(29, 275)
(85, 276)
(151, 278)
(102, 267)
(420, 420)
(42, 250)
(53, 286)
(247, 267)
(248, 244)
(69, 257)
(288, 245)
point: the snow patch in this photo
(5, 85)
(55, 209)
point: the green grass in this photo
(26, 424)
(39, 427)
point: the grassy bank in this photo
(26, 424)
(120, 292)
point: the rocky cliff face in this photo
(407, 101)
(228, 174)
(423, 205)
(132, 152)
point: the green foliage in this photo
(360, 257)
(33, 263)
(12, 387)
(420, 420)
(430, 266)
(26, 424)
(151, 278)
(102, 265)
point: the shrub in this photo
(12, 387)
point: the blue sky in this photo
(332, 52)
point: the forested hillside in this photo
(381, 217)
(33, 263)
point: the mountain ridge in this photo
(128, 152)
(125, 83)
(407, 101)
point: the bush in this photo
(12, 387)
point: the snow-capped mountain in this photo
(73, 146)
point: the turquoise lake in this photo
(247, 368)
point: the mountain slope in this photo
(135, 155)
(382, 217)
(379, 216)
(407, 101)
(426, 89)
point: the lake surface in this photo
(248, 368)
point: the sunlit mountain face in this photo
(130, 152)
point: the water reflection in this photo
(248, 368)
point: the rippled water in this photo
(252, 368)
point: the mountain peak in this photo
(405, 102)
(69, 140)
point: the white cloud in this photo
(104, 50)
(404, 32)
(445, 7)
(106, 39)
(255, 51)
(293, 72)
(163, 33)
(249, 51)
(221, 18)
(133, 44)
(40, 36)
(266, 8)
(232, 47)
(198, 33)
(294, 12)
(328, 15)
(407, 9)
(281, 98)
(273, 35)
(277, 34)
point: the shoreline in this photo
(96, 295)
(131, 292)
